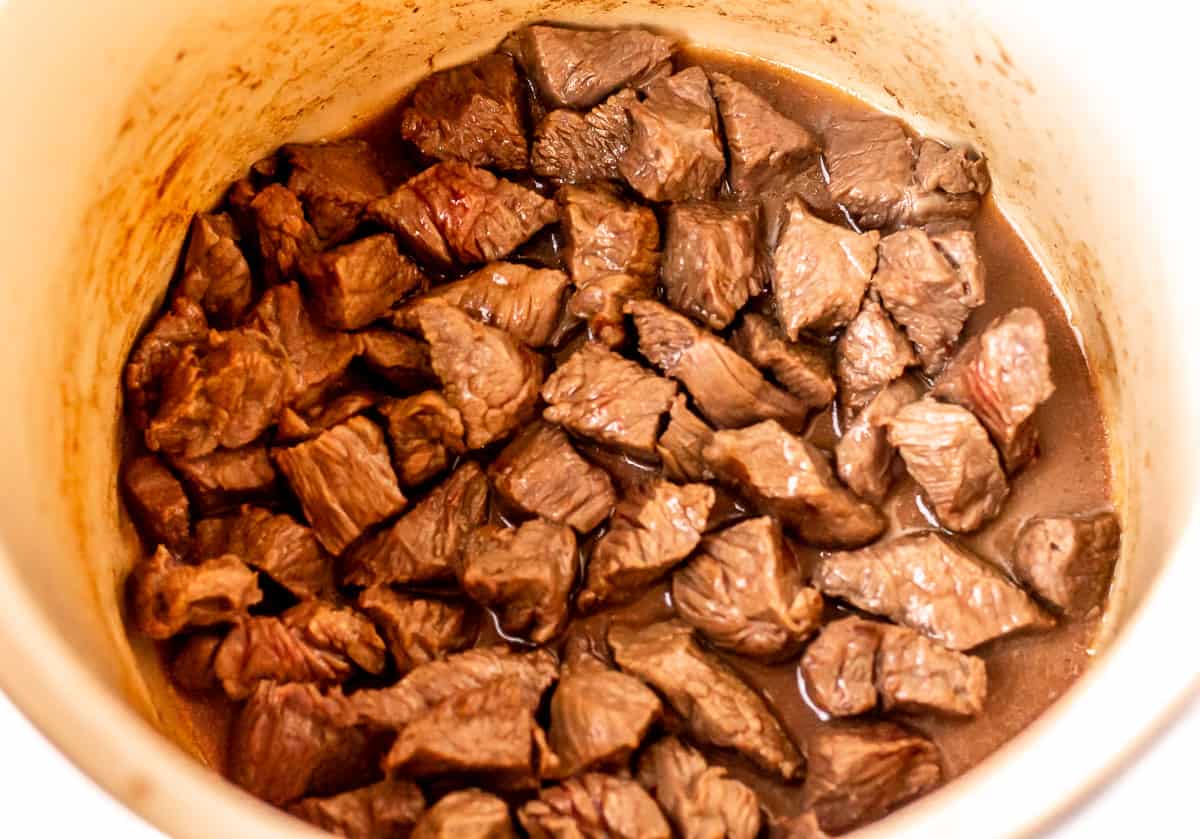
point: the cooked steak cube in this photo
(800, 367)
(418, 629)
(926, 582)
(471, 112)
(215, 272)
(158, 502)
(675, 153)
(275, 544)
(710, 260)
(357, 283)
(682, 443)
(386, 810)
(344, 481)
(335, 181)
(426, 433)
(298, 425)
(790, 478)
(192, 667)
(865, 456)
(466, 814)
(838, 667)
(725, 387)
(577, 148)
(399, 359)
(598, 394)
(284, 235)
(871, 352)
(1068, 560)
(948, 453)
(427, 541)
(594, 806)
(743, 592)
(541, 474)
(455, 212)
(156, 355)
(167, 596)
(653, 529)
(227, 477)
(701, 801)
(524, 574)
(956, 171)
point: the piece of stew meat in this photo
(871, 353)
(681, 444)
(426, 433)
(381, 811)
(354, 284)
(273, 543)
(710, 260)
(166, 596)
(743, 592)
(790, 478)
(466, 814)
(803, 826)
(716, 706)
(594, 806)
(226, 477)
(296, 426)
(215, 272)
(800, 367)
(701, 801)
(192, 665)
(472, 113)
(335, 182)
(654, 528)
(578, 147)
(1001, 375)
(865, 456)
(401, 360)
(949, 455)
(418, 629)
(158, 502)
(928, 583)
(284, 234)
(1068, 560)
(156, 354)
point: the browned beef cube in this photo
(455, 212)
(955, 171)
(681, 445)
(158, 502)
(471, 112)
(425, 544)
(838, 667)
(298, 425)
(598, 394)
(215, 272)
(675, 153)
(710, 260)
(227, 477)
(1068, 560)
(156, 355)
(344, 480)
(819, 271)
(926, 582)
(790, 478)
(725, 387)
(799, 366)
(717, 707)
(489, 376)
(541, 474)
(654, 528)
(930, 284)
(700, 800)
(865, 456)
(576, 68)
(765, 612)
(192, 667)
(577, 148)
(1001, 376)
(426, 433)
(594, 805)
(167, 596)
(418, 629)
(871, 352)
(275, 544)
(948, 453)
(357, 283)
(859, 772)
(335, 181)
(803, 826)
(386, 810)
(466, 814)
(284, 235)
(401, 360)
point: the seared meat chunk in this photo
(1068, 560)
(167, 596)
(215, 272)
(726, 388)
(702, 801)
(426, 433)
(955, 171)
(790, 478)
(156, 355)
(335, 181)
(598, 394)
(819, 271)
(158, 502)
(710, 260)
(471, 112)
(401, 360)
(871, 352)
(192, 667)
(490, 377)
(654, 528)
(524, 574)
(275, 544)
(948, 453)
(800, 367)
(386, 810)
(357, 283)
(284, 235)
(675, 153)
(296, 426)
(717, 707)
(682, 444)
(865, 456)
(742, 591)
(930, 284)
(427, 541)
(859, 772)
(1001, 376)
(838, 667)
(455, 212)
(577, 148)
(541, 474)
(227, 477)
(594, 806)
(803, 826)
(466, 814)
(418, 629)
(926, 582)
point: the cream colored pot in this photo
(121, 118)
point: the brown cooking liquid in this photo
(1026, 673)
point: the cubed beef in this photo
(541, 474)
(524, 574)
(386, 810)
(790, 478)
(215, 272)
(426, 542)
(158, 502)
(227, 477)
(701, 801)
(399, 359)
(682, 443)
(284, 235)
(865, 457)
(675, 152)
(803, 826)
(426, 433)
(726, 388)
(808, 185)
(166, 596)
(956, 171)
(929, 583)
(192, 667)
(466, 814)
(1068, 560)
(594, 806)
(799, 366)
(471, 112)
(455, 212)
(156, 354)
(577, 148)
(710, 260)
(716, 706)
(871, 352)
(418, 629)
(838, 667)
(930, 284)
(1001, 376)
(344, 481)
(359, 282)
(948, 453)
(598, 394)
(276, 544)
(489, 376)
(743, 592)
(654, 528)
(298, 425)
(335, 181)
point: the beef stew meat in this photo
(663, 364)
